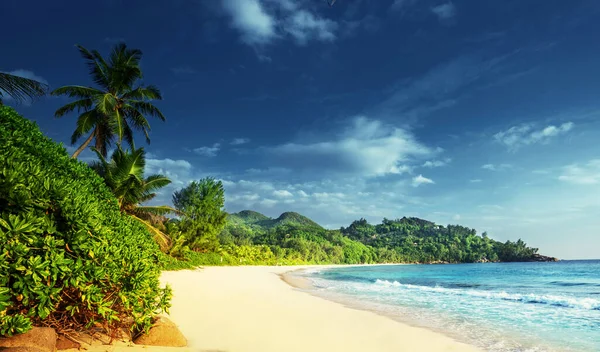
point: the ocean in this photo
(499, 307)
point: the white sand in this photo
(250, 309)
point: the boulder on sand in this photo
(163, 333)
(37, 339)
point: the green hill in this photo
(247, 217)
(257, 220)
(291, 219)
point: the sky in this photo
(480, 113)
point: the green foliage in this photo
(118, 106)
(68, 256)
(202, 204)
(420, 241)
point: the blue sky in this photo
(482, 113)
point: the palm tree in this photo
(20, 88)
(124, 175)
(117, 107)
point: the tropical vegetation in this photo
(69, 258)
(253, 238)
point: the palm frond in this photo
(155, 209)
(79, 92)
(160, 237)
(97, 66)
(125, 69)
(146, 197)
(101, 166)
(105, 103)
(140, 93)
(115, 118)
(128, 135)
(155, 182)
(138, 121)
(21, 88)
(130, 163)
(85, 123)
(82, 104)
(147, 108)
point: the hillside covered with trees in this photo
(293, 238)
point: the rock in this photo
(19, 349)
(163, 333)
(37, 339)
(63, 343)
(541, 258)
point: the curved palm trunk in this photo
(84, 145)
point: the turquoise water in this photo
(499, 307)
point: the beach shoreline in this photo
(260, 308)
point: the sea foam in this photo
(560, 301)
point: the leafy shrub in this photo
(68, 257)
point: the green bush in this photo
(68, 257)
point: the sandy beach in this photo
(251, 309)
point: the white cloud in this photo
(420, 180)
(264, 58)
(401, 169)
(168, 164)
(261, 22)
(282, 194)
(251, 19)
(475, 180)
(522, 135)
(303, 25)
(444, 11)
(365, 147)
(270, 171)
(328, 201)
(588, 174)
(180, 172)
(436, 163)
(268, 202)
(239, 141)
(493, 167)
(208, 151)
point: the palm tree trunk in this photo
(84, 145)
